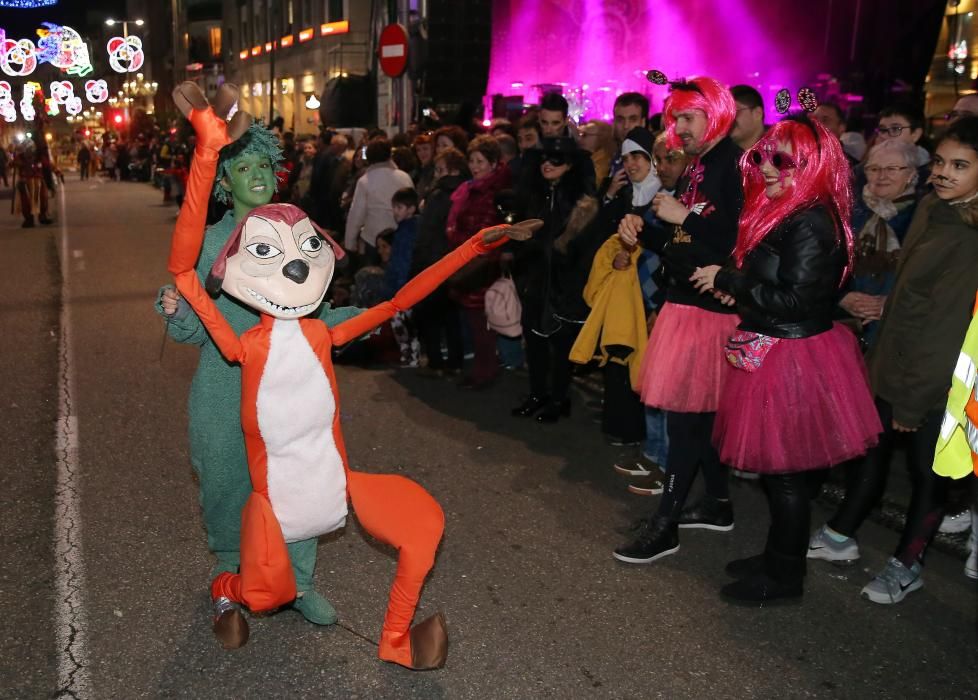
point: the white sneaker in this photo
(824, 546)
(893, 583)
(954, 523)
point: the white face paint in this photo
(280, 270)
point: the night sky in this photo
(82, 15)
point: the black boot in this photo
(780, 581)
(742, 568)
(28, 221)
(531, 405)
(658, 538)
(553, 411)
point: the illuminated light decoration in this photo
(96, 91)
(286, 41)
(193, 67)
(125, 54)
(117, 119)
(334, 28)
(305, 35)
(73, 106)
(18, 58)
(27, 101)
(243, 54)
(255, 50)
(63, 47)
(51, 107)
(8, 109)
(62, 91)
(27, 4)
(268, 47)
(312, 102)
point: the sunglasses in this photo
(555, 159)
(767, 153)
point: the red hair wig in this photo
(706, 95)
(283, 213)
(820, 177)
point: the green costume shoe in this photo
(315, 608)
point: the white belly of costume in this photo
(306, 481)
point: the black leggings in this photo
(789, 499)
(548, 361)
(928, 490)
(690, 447)
(623, 416)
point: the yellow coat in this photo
(617, 312)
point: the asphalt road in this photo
(105, 570)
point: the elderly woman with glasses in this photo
(880, 219)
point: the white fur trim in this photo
(306, 481)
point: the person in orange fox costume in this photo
(280, 264)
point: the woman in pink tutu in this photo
(798, 398)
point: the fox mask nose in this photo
(296, 270)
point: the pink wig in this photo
(283, 213)
(821, 177)
(706, 95)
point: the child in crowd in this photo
(395, 249)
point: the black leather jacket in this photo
(789, 284)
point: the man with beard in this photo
(684, 362)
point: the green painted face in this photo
(250, 180)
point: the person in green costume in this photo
(245, 179)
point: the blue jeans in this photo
(510, 351)
(656, 438)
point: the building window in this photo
(333, 10)
(215, 37)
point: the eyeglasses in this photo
(957, 114)
(891, 130)
(891, 170)
(766, 153)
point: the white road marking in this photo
(69, 569)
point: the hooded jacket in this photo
(927, 314)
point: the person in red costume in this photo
(280, 264)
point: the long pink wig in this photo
(284, 213)
(820, 178)
(707, 95)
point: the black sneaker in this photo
(708, 514)
(657, 539)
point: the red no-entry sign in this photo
(393, 50)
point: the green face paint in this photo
(251, 180)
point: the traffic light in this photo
(87, 132)
(117, 119)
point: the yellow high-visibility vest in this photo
(957, 446)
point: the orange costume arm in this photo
(423, 284)
(188, 234)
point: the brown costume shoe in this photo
(230, 625)
(429, 643)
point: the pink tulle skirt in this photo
(808, 406)
(684, 367)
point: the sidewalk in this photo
(889, 513)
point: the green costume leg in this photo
(313, 606)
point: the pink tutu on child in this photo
(684, 367)
(808, 406)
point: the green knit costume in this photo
(217, 448)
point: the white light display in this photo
(125, 54)
(27, 101)
(96, 91)
(8, 110)
(18, 57)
